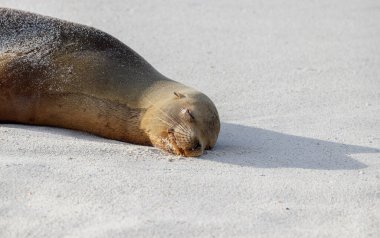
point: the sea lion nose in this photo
(197, 146)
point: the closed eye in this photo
(187, 114)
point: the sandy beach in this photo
(297, 86)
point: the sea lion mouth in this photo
(174, 148)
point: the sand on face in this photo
(297, 88)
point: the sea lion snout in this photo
(189, 124)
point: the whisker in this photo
(164, 113)
(178, 131)
(184, 127)
(166, 122)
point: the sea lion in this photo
(57, 73)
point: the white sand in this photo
(297, 85)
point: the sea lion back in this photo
(36, 36)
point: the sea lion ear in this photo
(187, 114)
(179, 95)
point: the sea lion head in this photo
(185, 124)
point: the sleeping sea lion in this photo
(57, 73)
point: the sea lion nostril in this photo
(197, 146)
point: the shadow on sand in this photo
(250, 146)
(254, 147)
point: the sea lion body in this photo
(68, 75)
